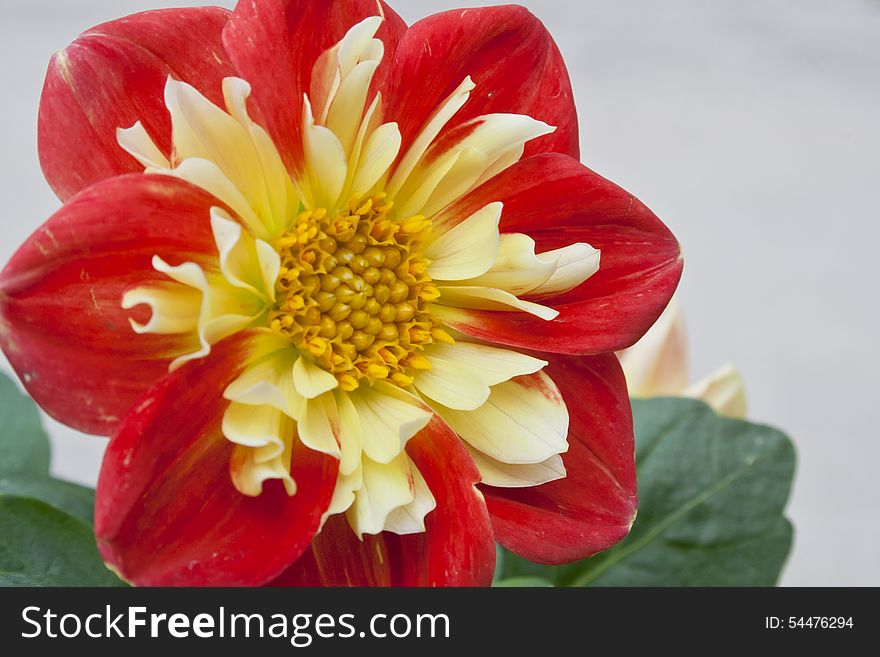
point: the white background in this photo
(751, 128)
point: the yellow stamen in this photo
(353, 292)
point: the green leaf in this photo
(76, 500)
(712, 492)
(523, 582)
(43, 546)
(24, 446)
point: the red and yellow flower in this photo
(333, 286)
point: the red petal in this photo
(62, 325)
(338, 558)
(558, 201)
(593, 507)
(113, 76)
(166, 512)
(510, 56)
(457, 548)
(275, 43)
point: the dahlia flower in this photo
(656, 366)
(333, 286)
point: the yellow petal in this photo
(263, 440)
(346, 111)
(255, 426)
(415, 194)
(447, 172)
(341, 79)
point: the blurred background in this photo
(751, 127)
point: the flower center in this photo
(353, 292)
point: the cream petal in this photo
(339, 62)
(208, 176)
(258, 425)
(269, 381)
(326, 79)
(310, 380)
(200, 129)
(723, 390)
(249, 473)
(524, 420)
(469, 167)
(379, 153)
(415, 195)
(453, 384)
(368, 125)
(489, 144)
(358, 43)
(519, 475)
(410, 519)
(326, 162)
(346, 111)
(575, 263)
(385, 487)
(492, 365)
(224, 309)
(248, 263)
(506, 159)
(467, 249)
(283, 203)
(518, 269)
(136, 142)
(447, 109)
(343, 494)
(263, 439)
(351, 433)
(486, 298)
(389, 417)
(319, 425)
(175, 308)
